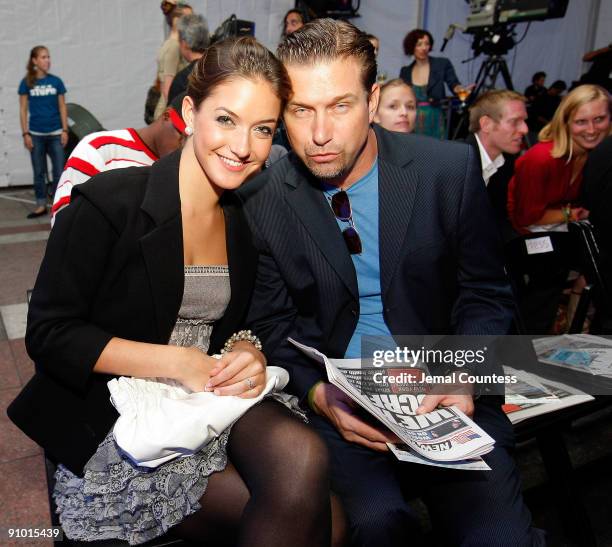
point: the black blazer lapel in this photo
(434, 76)
(314, 211)
(397, 186)
(162, 247)
(162, 250)
(242, 261)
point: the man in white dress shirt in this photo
(497, 128)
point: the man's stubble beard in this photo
(329, 171)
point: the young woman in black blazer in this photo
(111, 299)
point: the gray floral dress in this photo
(117, 499)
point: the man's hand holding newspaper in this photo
(444, 437)
(340, 410)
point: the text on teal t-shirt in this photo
(43, 103)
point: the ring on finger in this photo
(250, 383)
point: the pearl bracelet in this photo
(243, 335)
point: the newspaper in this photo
(445, 437)
(404, 453)
(581, 352)
(533, 395)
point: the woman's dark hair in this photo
(411, 39)
(30, 77)
(242, 57)
(296, 11)
(537, 76)
(299, 12)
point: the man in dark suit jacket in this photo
(497, 129)
(416, 254)
(597, 190)
(597, 197)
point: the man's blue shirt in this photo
(363, 196)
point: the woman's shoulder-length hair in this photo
(558, 129)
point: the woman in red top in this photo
(543, 196)
(548, 177)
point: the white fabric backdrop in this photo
(104, 51)
(555, 46)
(389, 20)
(603, 35)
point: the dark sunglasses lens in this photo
(341, 205)
(353, 241)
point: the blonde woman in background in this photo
(544, 191)
(543, 195)
(397, 107)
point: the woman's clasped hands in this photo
(240, 372)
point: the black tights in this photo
(274, 490)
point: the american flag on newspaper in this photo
(465, 437)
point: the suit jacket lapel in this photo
(312, 208)
(471, 140)
(397, 186)
(162, 247)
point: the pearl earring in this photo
(189, 131)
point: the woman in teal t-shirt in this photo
(45, 130)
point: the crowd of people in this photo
(191, 256)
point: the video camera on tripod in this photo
(492, 22)
(233, 26)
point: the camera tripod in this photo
(490, 70)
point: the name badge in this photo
(539, 245)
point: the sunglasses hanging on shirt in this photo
(341, 206)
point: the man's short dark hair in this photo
(537, 76)
(193, 30)
(559, 84)
(324, 40)
(411, 39)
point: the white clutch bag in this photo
(161, 420)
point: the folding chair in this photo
(596, 290)
(528, 255)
